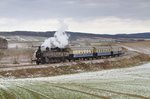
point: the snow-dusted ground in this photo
(125, 83)
(17, 45)
(139, 49)
(24, 38)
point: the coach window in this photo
(80, 52)
(77, 52)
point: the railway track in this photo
(7, 67)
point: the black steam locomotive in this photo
(56, 55)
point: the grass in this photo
(93, 90)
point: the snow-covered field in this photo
(127, 83)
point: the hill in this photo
(76, 35)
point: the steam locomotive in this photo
(56, 55)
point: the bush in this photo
(15, 61)
(1, 54)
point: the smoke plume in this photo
(60, 38)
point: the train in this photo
(56, 55)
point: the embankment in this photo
(119, 62)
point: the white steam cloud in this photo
(60, 39)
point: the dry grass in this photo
(140, 44)
(13, 56)
(127, 62)
(18, 52)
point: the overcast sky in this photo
(96, 16)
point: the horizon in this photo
(79, 32)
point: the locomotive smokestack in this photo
(60, 38)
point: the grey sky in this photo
(78, 9)
(98, 16)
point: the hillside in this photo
(76, 35)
